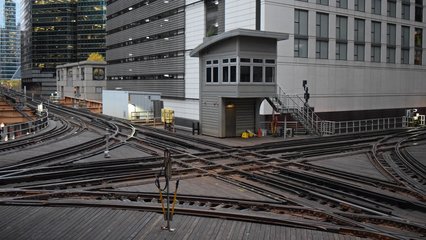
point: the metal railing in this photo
(368, 125)
(18, 130)
(305, 114)
(300, 110)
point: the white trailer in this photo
(129, 105)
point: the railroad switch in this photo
(166, 171)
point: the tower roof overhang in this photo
(237, 33)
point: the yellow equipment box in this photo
(167, 115)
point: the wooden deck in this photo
(19, 222)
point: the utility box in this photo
(129, 105)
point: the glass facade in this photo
(214, 17)
(9, 43)
(59, 32)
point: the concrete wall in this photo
(346, 85)
(146, 53)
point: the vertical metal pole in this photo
(285, 126)
(25, 94)
(168, 175)
(106, 153)
(168, 204)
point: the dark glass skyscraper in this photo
(9, 43)
(58, 32)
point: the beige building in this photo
(84, 80)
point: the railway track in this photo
(298, 193)
(388, 155)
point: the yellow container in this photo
(167, 115)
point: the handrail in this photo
(312, 122)
(18, 130)
(293, 103)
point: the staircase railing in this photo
(302, 112)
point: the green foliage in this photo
(14, 84)
(95, 57)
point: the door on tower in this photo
(230, 120)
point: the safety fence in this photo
(18, 130)
(336, 128)
(365, 125)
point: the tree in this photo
(95, 57)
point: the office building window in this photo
(359, 30)
(375, 41)
(341, 37)
(322, 2)
(391, 35)
(359, 52)
(301, 48)
(390, 55)
(342, 3)
(301, 33)
(376, 7)
(359, 47)
(375, 32)
(419, 11)
(375, 53)
(418, 46)
(405, 9)
(391, 8)
(212, 17)
(322, 49)
(360, 5)
(341, 28)
(322, 25)
(301, 22)
(322, 36)
(405, 45)
(341, 51)
(391, 43)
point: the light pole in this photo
(106, 153)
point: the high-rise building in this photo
(9, 43)
(360, 58)
(55, 33)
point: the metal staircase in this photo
(300, 111)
